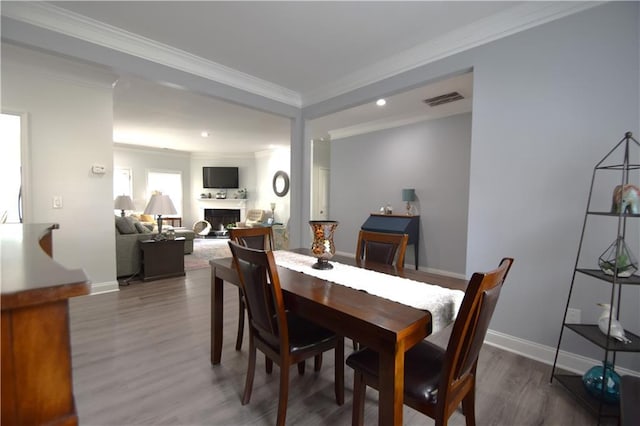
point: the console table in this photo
(396, 224)
(162, 258)
(37, 385)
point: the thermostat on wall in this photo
(98, 169)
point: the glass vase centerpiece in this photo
(322, 246)
(599, 376)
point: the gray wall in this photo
(368, 171)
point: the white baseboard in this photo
(566, 360)
(105, 287)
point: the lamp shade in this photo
(123, 202)
(408, 194)
(160, 204)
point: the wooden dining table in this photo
(388, 327)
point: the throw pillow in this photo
(147, 218)
(142, 229)
(125, 225)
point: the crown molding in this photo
(71, 24)
(503, 24)
(508, 22)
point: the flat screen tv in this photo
(220, 177)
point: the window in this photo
(122, 182)
(167, 182)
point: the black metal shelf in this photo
(597, 273)
(612, 214)
(574, 385)
(592, 333)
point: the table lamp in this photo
(158, 205)
(273, 211)
(123, 202)
(408, 195)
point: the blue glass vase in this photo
(593, 380)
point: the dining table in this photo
(388, 327)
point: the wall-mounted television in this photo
(220, 177)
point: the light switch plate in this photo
(57, 201)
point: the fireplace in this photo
(220, 218)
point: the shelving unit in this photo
(591, 332)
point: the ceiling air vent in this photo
(443, 99)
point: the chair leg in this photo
(469, 407)
(356, 345)
(317, 362)
(359, 390)
(240, 320)
(268, 365)
(301, 366)
(284, 394)
(251, 369)
(339, 370)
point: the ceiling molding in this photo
(508, 22)
(78, 26)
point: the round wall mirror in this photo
(281, 183)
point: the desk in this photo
(388, 327)
(397, 224)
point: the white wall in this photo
(370, 170)
(70, 115)
(142, 159)
(267, 164)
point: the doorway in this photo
(11, 168)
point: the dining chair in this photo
(260, 238)
(283, 337)
(436, 379)
(382, 247)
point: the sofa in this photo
(129, 230)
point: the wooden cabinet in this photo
(620, 222)
(37, 385)
(397, 224)
(162, 259)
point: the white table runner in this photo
(443, 303)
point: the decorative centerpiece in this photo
(594, 379)
(322, 246)
(618, 255)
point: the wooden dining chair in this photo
(382, 247)
(261, 238)
(283, 337)
(437, 380)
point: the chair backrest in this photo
(382, 247)
(263, 296)
(260, 238)
(471, 325)
(255, 216)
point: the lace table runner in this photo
(443, 303)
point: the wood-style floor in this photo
(141, 357)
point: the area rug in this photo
(205, 249)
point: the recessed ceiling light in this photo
(204, 134)
(381, 102)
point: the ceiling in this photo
(298, 53)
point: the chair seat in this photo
(303, 334)
(422, 369)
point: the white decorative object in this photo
(617, 331)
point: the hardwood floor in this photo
(141, 357)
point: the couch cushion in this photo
(126, 225)
(142, 228)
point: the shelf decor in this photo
(618, 255)
(594, 378)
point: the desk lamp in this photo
(408, 195)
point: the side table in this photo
(162, 259)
